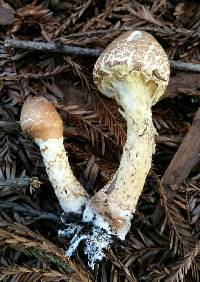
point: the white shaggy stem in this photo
(68, 190)
(112, 207)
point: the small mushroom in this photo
(40, 120)
(134, 70)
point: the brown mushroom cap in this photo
(132, 51)
(40, 120)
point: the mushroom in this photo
(40, 120)
(134, 70)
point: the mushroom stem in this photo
(112, 207)
(71, 195)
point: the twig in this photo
(9, 126)
(52, 47)
(185, 66)
(21, 182)
(79, 51)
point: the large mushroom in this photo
(134, 70)
(40, 120)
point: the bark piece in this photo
(6, 14)
(182, 82)
(186, 157)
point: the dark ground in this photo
(164, 241)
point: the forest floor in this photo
(163, 243)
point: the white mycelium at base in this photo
(96, 240)
(67, 189)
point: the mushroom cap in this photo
(132, 51)
(40, 120)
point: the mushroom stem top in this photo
(134, 95)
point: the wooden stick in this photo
(52, 47)
(186, 157)
(185, 66)
(21, 182)
(79, 51)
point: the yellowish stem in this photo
(71, 195)
(112, 207)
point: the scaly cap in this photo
(132, 51)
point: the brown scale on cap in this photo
(138, 51)
(40, 120)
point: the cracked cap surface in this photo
(132, 51)
(40, 120)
